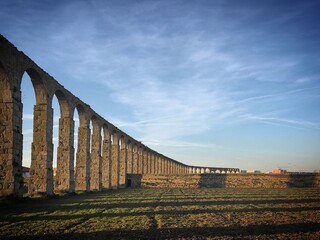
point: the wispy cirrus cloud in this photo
(171, 71)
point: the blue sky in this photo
(212, 83)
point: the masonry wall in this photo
(225, 180)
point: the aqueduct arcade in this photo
(104, 155)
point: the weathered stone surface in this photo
(83, 159)
(115, 175)
(41, 170)
(96, 160)
(123, 166)
(130, 159)
(106, 164)
(135, 161)
(65, 180)
(226, 180)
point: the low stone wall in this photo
(225, 180)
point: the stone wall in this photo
(225, 180)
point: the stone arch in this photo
(63, 103)
(38, 85)
(41, 170)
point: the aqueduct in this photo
(101, 161)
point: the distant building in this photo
(25, 172)
(279, 171)
(243, 171)
(253, 171)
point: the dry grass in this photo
(167, 214)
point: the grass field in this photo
(167, 214)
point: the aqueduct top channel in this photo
(105, 154)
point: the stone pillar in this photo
(41, 172)
(64, 180)
(165, 165)
(83, 159)
(136, 160)
(11, 180)
(115, 173)
(106, 161)
(96, 159)
(160, 166)
(123, 164)
(173, 168)
(141, 161)
(153, 163)
(168, 166)
(158, 170)
(130, 159)
(156, 159)
(146, 162)
(149, 162)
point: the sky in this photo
(221, 83)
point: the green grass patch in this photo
(167, 213)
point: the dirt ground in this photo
(206, 213)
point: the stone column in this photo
(123, 164)
(136, 160)
(83, 159)
(64, 180)
(151, 163)
(141, 161)
(130, 159)
(156, 159)
(41, 172)
(163, 164)
(166, 166)
(146, 162)
(115, 173)
(11, 180)
(157, 163)
(106, 161)
(96, 159)
(166, 169)
(160, 166)
(162, 161)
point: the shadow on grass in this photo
(194, 232)
(94, 206)
(304, 180)
(179, 213)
